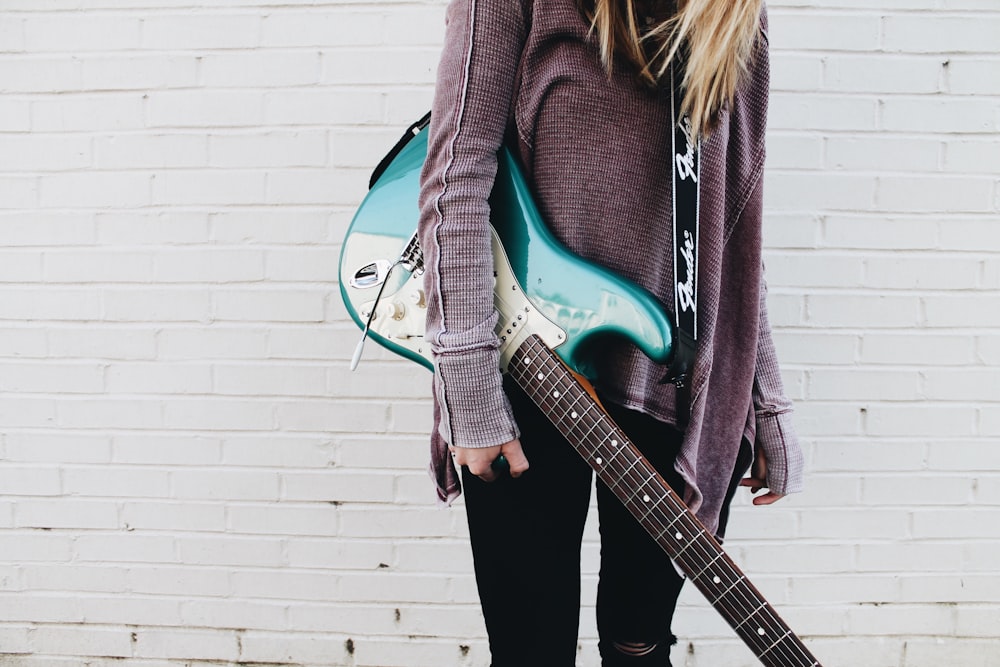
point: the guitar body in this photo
(575, 302)
(553, 308)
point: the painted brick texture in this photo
(191, 476)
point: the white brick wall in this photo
(189, 474)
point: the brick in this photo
(338, 486)
(929, 194)
(28, 412)
(921, 348)
(51, 378)
(34, 546)
(260, 69)
(945, 34)
(19, 192)
(208, 108)
(89, 113)
(82, 641)
(44, 152)
(109, 413)
(182, 644)
(149, 514)
(172, 228)
(336, 554)
(186, 581)
(156, 151)
(348, 619)
(256, 227)
(57, 513)
(817, 31)
(208, 266)
(217, 415)
(325, 108)
(133, 71)
(286, 585)
(101, 343)
(257, 615)
(92, 32)
(125, 548)
(972, 155)
(261, 380)
(930, 114)
(156, 378)
(286, 451)
(30, 480)
(270, 305)
(365, 67)
(871, 309)
(63, 577)
(273, 149)
(255, 551)
(282, 519)
(215, 342)
(225, 484)
(97, 266)
(921, 272)
(340, 417)
(883, 154)
(144, 304)
(314, 265)
(200, 31)
(57, 447)
(322, 26)
(822, 112)
(116, 482)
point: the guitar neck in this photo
(655, 505)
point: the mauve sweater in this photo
(597, 153)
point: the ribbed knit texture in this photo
(597, 151)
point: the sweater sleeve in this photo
(775, 432)
(474, 92)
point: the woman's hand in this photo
(758, 481)
(480, 460)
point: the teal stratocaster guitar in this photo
(553, 307)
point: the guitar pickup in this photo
(371, 275)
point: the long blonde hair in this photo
(718, 38)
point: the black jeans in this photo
(526, 535)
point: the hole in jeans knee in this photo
(635, 649)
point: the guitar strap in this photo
(686, 170)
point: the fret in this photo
(655, 505)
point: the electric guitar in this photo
(554, 307)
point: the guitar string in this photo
(738, 597)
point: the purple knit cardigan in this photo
(596, 150)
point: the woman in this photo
(580, 89)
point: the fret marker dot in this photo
(760, 631)
(716, 580)
(614, 443)
(541, 376)
(679, 536)
(598, 460)
(645, 498)
(556, 394)
(527, 361)
(574, 415)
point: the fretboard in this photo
(655, 505)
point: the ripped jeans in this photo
(526, 540)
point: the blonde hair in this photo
(717, 37)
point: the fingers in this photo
(515, 458)
(756, 485)
(481, 462)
